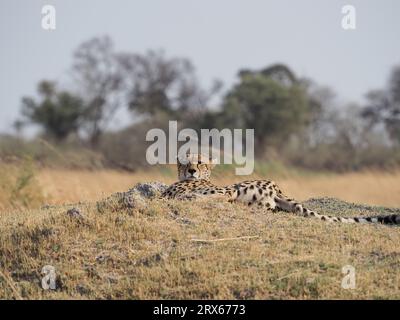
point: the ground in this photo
(196, 249)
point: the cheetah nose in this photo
(192, 171)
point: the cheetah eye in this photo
(199, 162)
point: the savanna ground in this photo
(197, 249)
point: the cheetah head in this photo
(194, 166)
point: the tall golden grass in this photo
(374, 188)
(24, 186)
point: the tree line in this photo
(294, 118)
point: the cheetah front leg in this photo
(200, 197)
(186, 196)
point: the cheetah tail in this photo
(290, 205)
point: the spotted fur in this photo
(194, 173)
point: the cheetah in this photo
(194, 172)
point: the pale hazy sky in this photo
(220, 37)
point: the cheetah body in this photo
(255, 192)
(194, 174)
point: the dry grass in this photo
(19, 187)
(374, 188)
(150, 253)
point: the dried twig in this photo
(10, 282)
(289, 275)
(224, 239)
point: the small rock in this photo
(186, 221)
(149, 189)
(135, 198)
(102, 258)
(75, 213)
(82, 289)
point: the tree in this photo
(277, 72)
(383, 106)
(161, 85)
(58, 112)
(275, 109)
(100, 80)
(323, 110)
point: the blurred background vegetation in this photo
(297, 122)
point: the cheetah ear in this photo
(182, 160)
